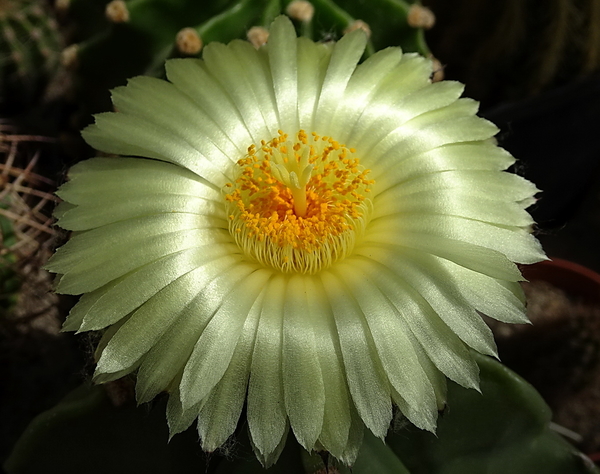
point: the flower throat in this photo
(298, 205)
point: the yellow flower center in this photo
(298, 206)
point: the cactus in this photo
(25, 205)
(113, 41)
(30, 48)
(25, 225)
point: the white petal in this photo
(396, 107)
(313, 60)
(448, 302)
(108, 304)
(344, 59)
(144, 96)
(134, 135)
(238, 68)
(129, 178)
(115, 209)
(362, 86)
(179, 419)
(499, 300)
(490, 185)
(140, 333)
(219, 416)
(303, 384)
(257, 72)
(103, 377)
(214, 349)
(284, 70)
(517, 244)
(457, 203)
(95, 257)
(474, 257)
(170, 354)
(78, 312)
(436, 378)
(162, 363)
(416, 137)
(398, 357)
(459, 156)
(267, 419)
(336, 419)
(193, 79)
(367, 381)
(270, 458)
(428, 278)
(411, 75)
(442, 345)
(355, 438)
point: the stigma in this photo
(298, 204)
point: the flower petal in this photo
(395, 105)
(238, 69)
(480, 156)
(344, 58)
(178, 116)
(482, 184)
(110, 303)
(214, 349)
(361, 88)
(366, 378)
(95, 257)
(179, 419)
(399, 359)
(427, 132)
(219, 416)
(284, 70)
(140, 333)
(444, 348)
(139, 136)
(267, 419)
(355, 438)
(303, 385)
(106, 177)
(483, 260)
(162, 364)
(313, 61)
(191, 77)
(501, 300)
(161, 367)
(517, 244)
(457, 204)
(410, 75)
(422, 273)
(337, 420)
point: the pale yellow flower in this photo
(289, 229)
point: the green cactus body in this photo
(29, 50)
(136, 36)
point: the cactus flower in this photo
(291, 231)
